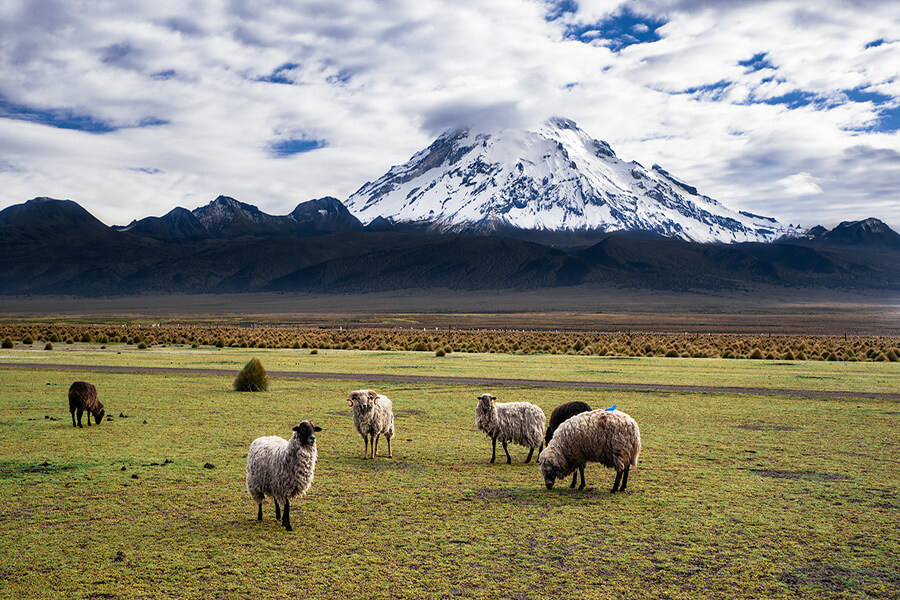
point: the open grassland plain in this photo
(735, 495)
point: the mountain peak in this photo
(555, 179)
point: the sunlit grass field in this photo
(780, 374)
(735, 495)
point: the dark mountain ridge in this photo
(56, 247)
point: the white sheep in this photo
(611, 438)
(282, 469)
(518, 422)
(373, 415)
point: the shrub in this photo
(142, 346)
(252, 378)
(440, 352)
(313, 351)
(48, 346)
(788, 355)
(6, 343)
(28, 340)
(86, 337)
(672, 354)
(756, 354)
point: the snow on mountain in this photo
(555, 179)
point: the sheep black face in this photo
(306, 433)
(550, 471)
(486, 402)
(98, 416)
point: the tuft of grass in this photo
(252, 378)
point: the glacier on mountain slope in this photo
(555, 179)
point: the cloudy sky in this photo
(789, 109)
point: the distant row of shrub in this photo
(443, 342)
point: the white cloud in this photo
(800, 184)
(377, 81)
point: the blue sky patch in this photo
(290, 147)
(278, 75)
(875, 43)
(888, 121)
(620, 30)
(795, 99)
(63, 118)
(558, 8)
(757, 63)
(164, 75)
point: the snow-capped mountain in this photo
(555, 179)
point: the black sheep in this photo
(83, 397)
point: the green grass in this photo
(797, 375)
(735, 496)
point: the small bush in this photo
(48, 346)
(313, 351)
(440, 352)
(6, 343)
(142, 346)
(28, 340)
(672, 354)
(252, 378)
(756, 354)
(86, 338)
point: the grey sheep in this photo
(561, 414)
(518, 422)
(373, 415)
(282, 469)
(83, 397)
(611, 438)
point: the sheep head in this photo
(305, 432)
(486, 402)
(365, 400)
(553, 467)
(98, 416)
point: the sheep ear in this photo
(493, 398)
(373, 394)
(315, 428)
(349, 402)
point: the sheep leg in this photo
(73, 419)
(375, 444)
(366, 448)
(581, 470)
(259, 512)
(624, 480)
(574, 480)
(494, 451)
(89, 417)
(286, 520)
(390, 452)
(80, 412)
(277, 511)
(508, 457)
(616, 484)
(528, 458)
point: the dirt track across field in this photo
(475, 381)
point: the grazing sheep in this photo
(518, 422)
(83, 397)
(373, 415)
(282, 469)
(611, 438)
(560, 414)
